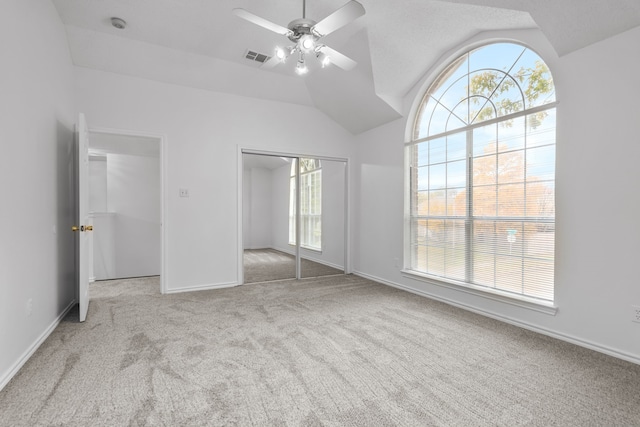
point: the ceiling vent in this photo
(255, 56)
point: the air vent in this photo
(255, 56)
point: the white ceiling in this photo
(200, 43)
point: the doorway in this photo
(126, 205)
(284, 196)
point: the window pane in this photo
(482, 84)
(535, 79)
(539, 241)
(538, 278)
(454, 93)
(484, 246)
(437, 151)
(435, 232)
(424, 118)
(435, 260)
(485, 201)
(485, 170)
(484, 233)
(484, 140)
(437, 176)
(500, 56)
(541, 163)
(419, 258)
(457, 202)
(455, 230)
(457, 174)
(541, 128)
(423, 178)
(511, 200)
(423, 153)
(455, 267)
(507, 98)
(540, 201)
(457, 69)
(454, 122)
(511, 167)
(438, 123)
(437, 202)
(422, 207)
(419, 231)
(509, 273)
(511, 134)
(457, 146)
(484, 269)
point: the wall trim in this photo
(34, 346)
(205, 287)
(506, 319)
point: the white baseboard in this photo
(201, 288)
(319, 261)
(554, 334)
(33, 347)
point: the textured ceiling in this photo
(200, 43)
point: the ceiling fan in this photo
(306, 34)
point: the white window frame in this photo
(310, 204)
(466, 285)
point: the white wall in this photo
(133, 194)
(203, 132)
(597, 202)
(37, 116)
(98, 183)
(280, 193)
(257, 209)
(333, 214)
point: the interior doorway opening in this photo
(125, 205)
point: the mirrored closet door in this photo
(280, 243)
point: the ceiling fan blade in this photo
(255, 19)
(338, 19)
(338, 59)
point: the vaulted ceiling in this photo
(201, 44)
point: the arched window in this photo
(481, 174)
(310, 204)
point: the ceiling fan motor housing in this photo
(301, 27)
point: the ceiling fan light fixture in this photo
(324, 59)
(306, 43)
(281, 54)
(301, 67)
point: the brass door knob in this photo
(88, 228)
(75, 228)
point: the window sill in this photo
(546, 307)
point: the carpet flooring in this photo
(264, 265)
(337, 351)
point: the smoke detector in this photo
(118, 23)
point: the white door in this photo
(84, 226)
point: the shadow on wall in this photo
(65, 215)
